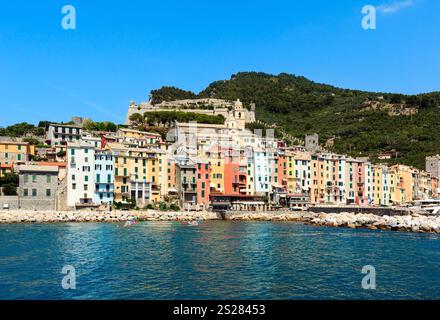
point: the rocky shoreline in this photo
(16, 216)
(410, 223)
(413, 222)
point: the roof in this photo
(53, 164)
(37, 168)
(14, 142)
(65, 125)
(219, 194)
(140, 132)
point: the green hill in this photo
(361, 123)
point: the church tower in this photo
(239, 114)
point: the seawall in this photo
(22, 216)
(411, 222)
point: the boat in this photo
(193, 222)
(130, 223)
(430, 206)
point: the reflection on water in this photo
(219, 260)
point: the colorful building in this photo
(136, 174)
(15, 152)
(203, 183)
(104, 177)
(80, 174)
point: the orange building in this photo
(203, 183)
(235, 179)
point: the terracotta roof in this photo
(57, 164)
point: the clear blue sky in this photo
(123, 49)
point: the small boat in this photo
(130, 223)
(430, 206)
(193, 222)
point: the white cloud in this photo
(395, 6)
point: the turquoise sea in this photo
(219, 260)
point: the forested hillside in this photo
(361, 123)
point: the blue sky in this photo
(123, 49)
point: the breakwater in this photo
(359, 209)
(411, 222)
(18, 216)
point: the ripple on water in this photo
(219, 260)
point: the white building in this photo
(80, 174)
(60, 134)
(103, 177)
(261, 174)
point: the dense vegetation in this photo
(170, 93)
(167, 118)
(9, 184)
(22, 129)
(301, 106)
(90, 125)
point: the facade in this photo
(37, 187)
(15, 152)
(203, 183)
(261, 175)
(103, 177)
(60, 134)
(80, 174)
(5, 169)
(433, 166)
(186, 183)
(312, 143)
(136, 174)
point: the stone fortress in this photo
(233, 111)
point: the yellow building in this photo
(376, 185)
(402, 184)
(290, 172)
(136, 174)
(5, 169)
(217, 174)
(14, 152)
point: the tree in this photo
(9, 178)
(138, 120)
(10, 189)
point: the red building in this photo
(203, 174)
(235, 179)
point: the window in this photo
(25, 192)
(48, 192)
(48, 178)
(34, 178)
(72, 152)
(19, 157)
(34, 192)
(26, 178)
(86, 178)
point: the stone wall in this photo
(24, 216)
(12, 201)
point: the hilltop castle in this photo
(235, 114)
